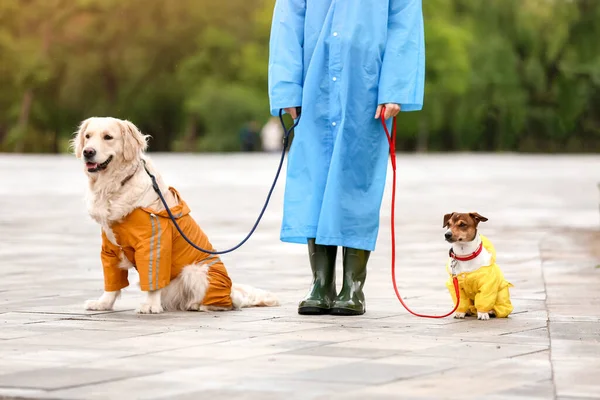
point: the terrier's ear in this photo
(478, 218)
(446, 219)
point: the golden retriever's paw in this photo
(483, 316)
(459, 315)
(193, 307)
(98, 305)
(150, 309)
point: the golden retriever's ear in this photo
(76, 144)
(446, 219)
(134, 142)
(477, 217)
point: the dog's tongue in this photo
(91, 165)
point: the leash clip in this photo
(453, 264)
(152, 178)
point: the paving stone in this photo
(349, 352)
(575, 348)
(228, 394)
(368, 373)
(56, 378)
(299, 388)
(588, 331)
(577, 376)
(534, 391)
(578, 397)
(146, 387)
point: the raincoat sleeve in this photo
(115, 278)
(286, 55)
(402, 79)
(153, 253)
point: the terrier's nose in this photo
(448, 234)
(89, 153)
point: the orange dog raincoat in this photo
(151, 243)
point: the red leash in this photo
(392, 142)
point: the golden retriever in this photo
(113, 153)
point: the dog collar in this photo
(468, 257)
(124, 181)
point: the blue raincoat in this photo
(339, 59)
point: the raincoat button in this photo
(333, 123)
(334, 79)
(335, 34)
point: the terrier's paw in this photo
(150, 309)
(459, 315)
(97, 305)
(483, 316)
(193, 307)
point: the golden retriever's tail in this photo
(247, 296)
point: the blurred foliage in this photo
(502, 75)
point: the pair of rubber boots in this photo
(321, 298)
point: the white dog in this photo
(137, 233)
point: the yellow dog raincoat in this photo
(151, 243)
(484, 289)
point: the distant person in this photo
(272, 136)
(341, 61)
(249, 137)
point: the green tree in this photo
(502, 75)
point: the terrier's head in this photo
(462, 227)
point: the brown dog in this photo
(483, 289)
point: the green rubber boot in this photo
(351, 300)
(322, 292)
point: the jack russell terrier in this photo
(483, 289)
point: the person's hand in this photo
(291, 111)
(391, 110)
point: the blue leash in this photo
(286, 138)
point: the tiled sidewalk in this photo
(544, 222)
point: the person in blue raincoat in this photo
(340, 61)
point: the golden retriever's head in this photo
(462, 227)
(102, 141)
